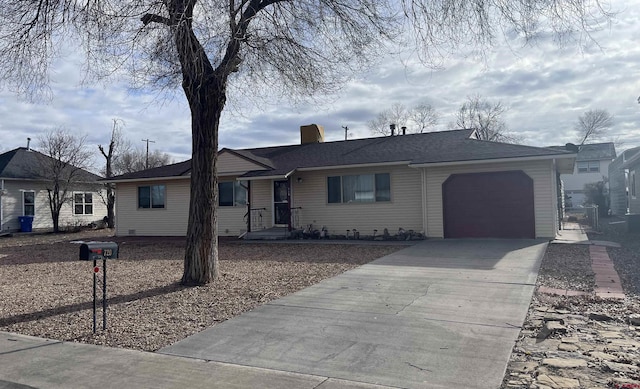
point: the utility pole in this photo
(346, 132)
(146, 165)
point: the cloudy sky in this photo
(545, 87)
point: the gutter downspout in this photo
(424, 201)
(555, 181)
(1, 197)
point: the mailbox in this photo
(98, 250)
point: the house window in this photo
(588, 166)
(151, 196)
(362, 188)
(83, 203)
(28, 203)
(232, 193)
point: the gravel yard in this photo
(47, 292)
(565, 342)
(626, 258)
(581, 341)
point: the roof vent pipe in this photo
(28, 143)
(392, 127)
(404, 130)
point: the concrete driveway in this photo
(438, 314)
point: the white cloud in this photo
(546, 88)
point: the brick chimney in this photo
(311, 133)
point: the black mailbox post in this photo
(94, 251)
(98, 250)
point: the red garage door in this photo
(489, 205)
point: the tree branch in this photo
(149, 18)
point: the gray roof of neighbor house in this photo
(416, 149)
(633, 156)
(27, 164)
(593, 151)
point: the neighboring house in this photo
(619, 182)
(592, 165)
(633, 165)
(445, 184)
(23, 192)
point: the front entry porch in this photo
(273, 233)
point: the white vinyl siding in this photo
(171, 220)
(262, 197)
(231, 164)
(634, 190)
(575, 182)
(12, 207)
(168, 221)
(231, 220)
(539, 171)
(403, 211)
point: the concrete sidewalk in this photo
(440, 314)
(435, 315)
(27, 362)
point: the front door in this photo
(281, 208)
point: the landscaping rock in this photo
(634, 319)
(557, 382)
(599, 316)
(620, 367)
(592, 332)
(563, 363)
(602, 356)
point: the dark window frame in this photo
(234, 200)
(31, 204)
(338, 192)
(85, 207)
(149, 198)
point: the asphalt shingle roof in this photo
(433, 147)
(593, 151)
(173, 170)
(596, 151)
(23, 163)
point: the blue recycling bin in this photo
(26, 223)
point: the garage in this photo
(489, 205)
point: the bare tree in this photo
(424, 117)
(203, 45)
(485, 117)
(64, 169)
(135, 159)
(115, 145)
(121, 158)
(593, 125)
(417, 119)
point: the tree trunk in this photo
(206, 102)
(110, 195)
(56, 222)
(111, 200)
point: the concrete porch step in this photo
(273, 233)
